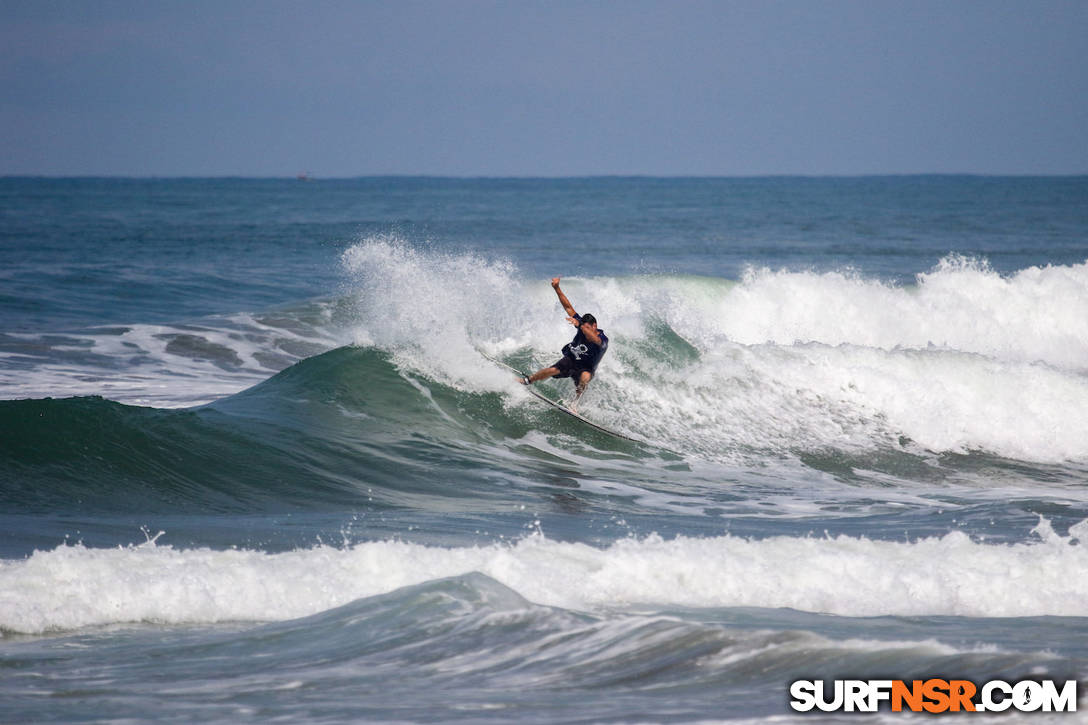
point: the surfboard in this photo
(574, 414)
(559, 406)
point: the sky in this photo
(556, 88)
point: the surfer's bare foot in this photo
(524, 380)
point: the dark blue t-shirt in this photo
(586, 355)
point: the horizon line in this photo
(530, 177)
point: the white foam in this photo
(1036, 314)
(848, 398)
(72, 586)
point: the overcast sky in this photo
(477, 88)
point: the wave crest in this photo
(72, 586)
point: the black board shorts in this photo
(570, 368)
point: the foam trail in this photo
(72, 586)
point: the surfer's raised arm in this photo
(574, 318)
(571, 314)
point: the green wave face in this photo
(340, 429)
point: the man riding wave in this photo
(581, 355)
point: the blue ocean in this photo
(256, 464)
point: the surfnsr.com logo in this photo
(933, 696)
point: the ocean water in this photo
(255, 465)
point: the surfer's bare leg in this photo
(541, 374)
(581, 384)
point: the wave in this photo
(828, 369)
(433, 309)
(353, 429)
(967, 360)
(73, 587)
(485, 628)
(475, 650)
(342, 428)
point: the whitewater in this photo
(151, 583)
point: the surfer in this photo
(581, 355)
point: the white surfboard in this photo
(559, 406)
